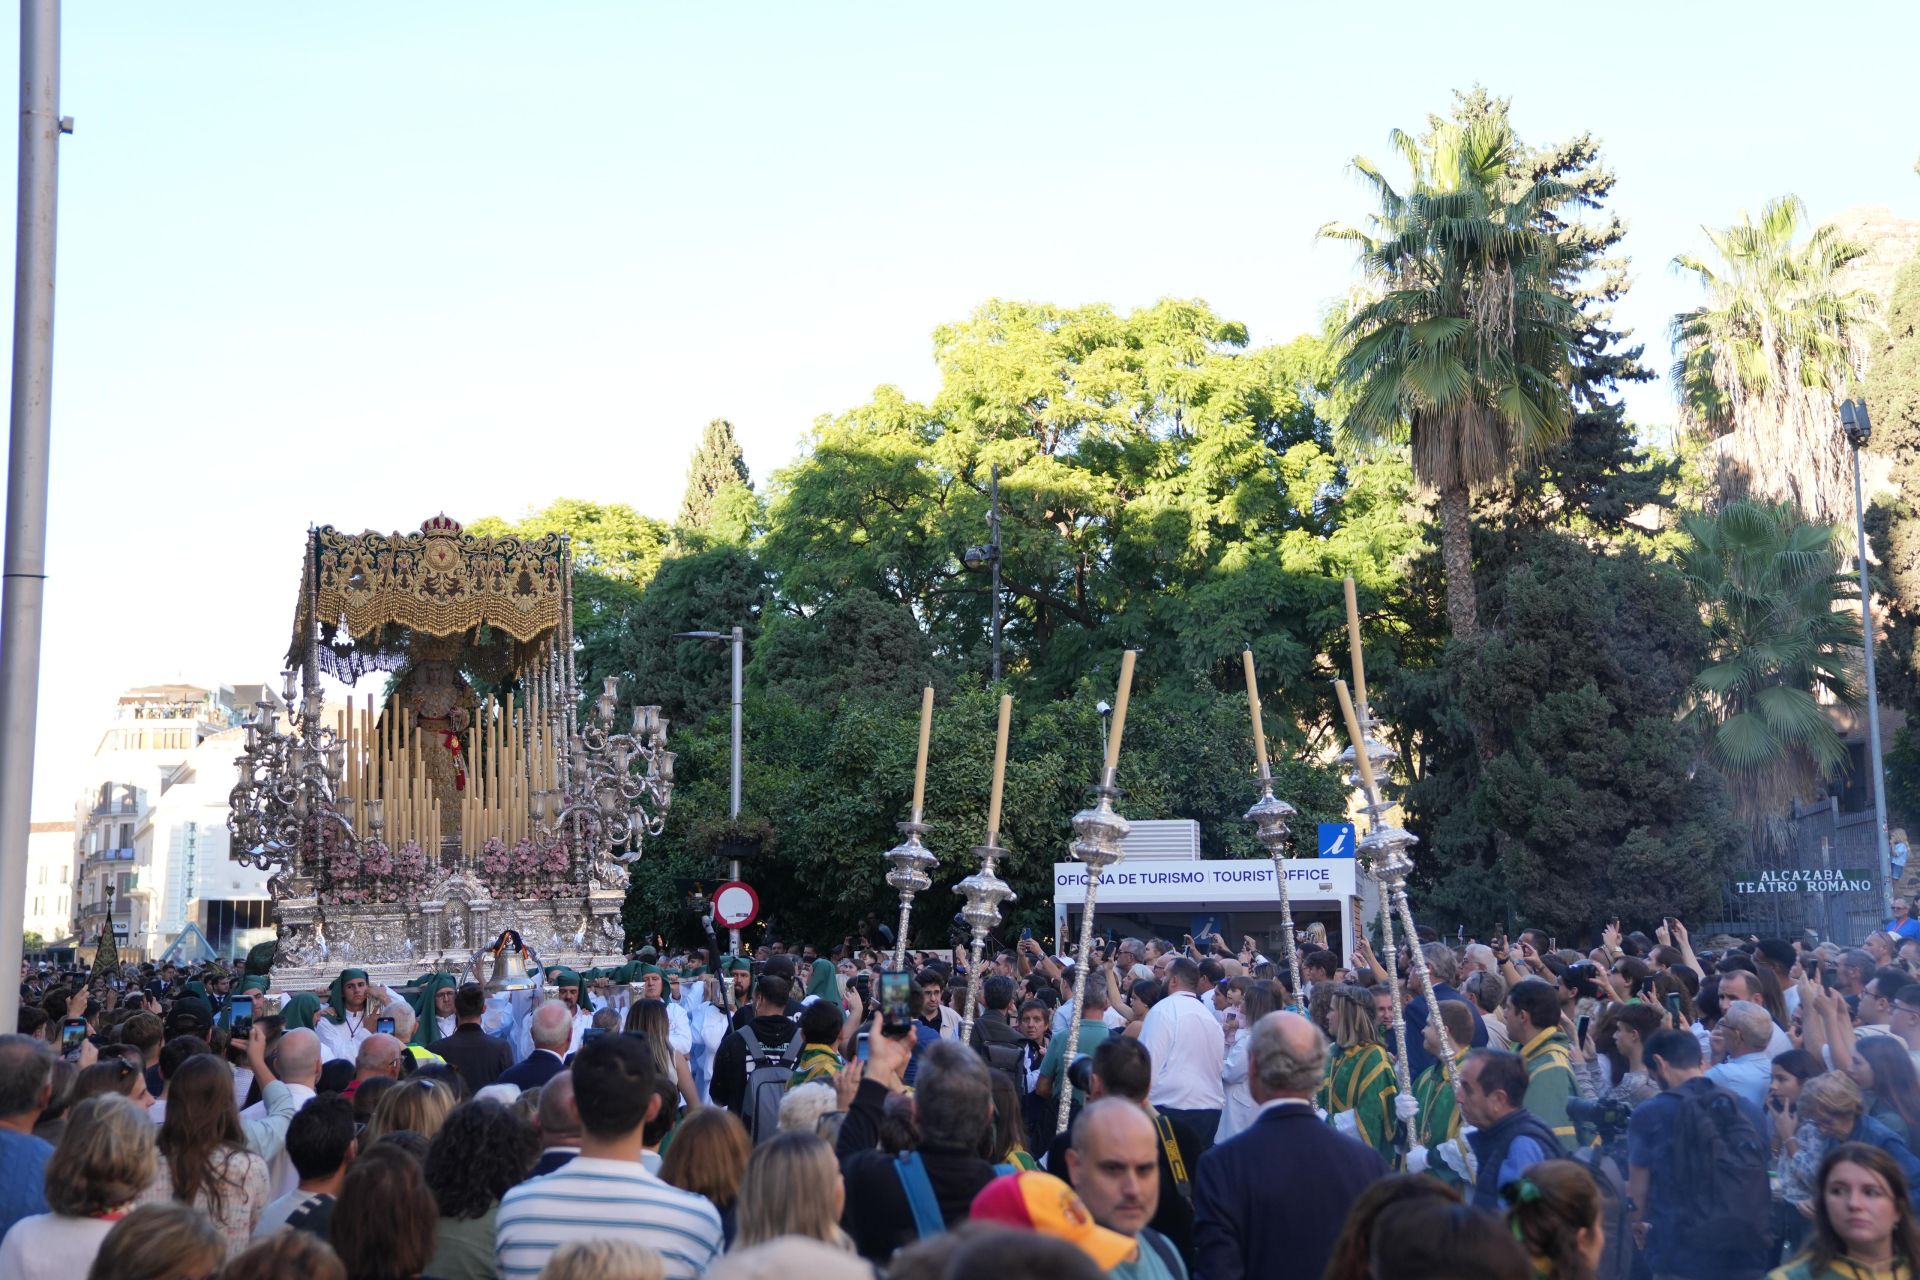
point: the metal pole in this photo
(22, 590)
(733, 868)
(993, 528)
(1874, 761)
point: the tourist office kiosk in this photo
(1234, 897)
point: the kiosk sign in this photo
(1224, 880)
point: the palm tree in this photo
(1462, 350)
(1767, 582)
(1764, 360)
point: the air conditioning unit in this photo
(1163, 840)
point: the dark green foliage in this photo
(1893, 399)
(1592, 803)
(834, 778)
(717, 465)
(858, 644)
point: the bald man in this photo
(1115, 1166)
(1271, 1200)
(296, 1061)
(379, 1055)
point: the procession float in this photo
(464, 798)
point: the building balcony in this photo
(105, 857)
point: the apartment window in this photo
(43, 875)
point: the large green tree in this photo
(1763, 361)
(1592, 802)
(1461, 346)
(1163, 485)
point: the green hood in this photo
(824, 982)
(336, 993)
(301, 1010)
(425, 1028)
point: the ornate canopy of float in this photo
(463, 794)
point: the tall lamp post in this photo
(29, 440)
(737, 637)
(988, 556)
(1858, 429)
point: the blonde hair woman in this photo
(792, 1188)
(1360, 1083)
(160, 1242)
(604, 1260)
(417, 1106)
(104, 1161)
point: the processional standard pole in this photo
(984, 890)
(1271, 817)
(1385, 854)
(912, 860)
(1098, 835)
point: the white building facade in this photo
(151, 825)
(50, 882)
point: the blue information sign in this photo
(1336, 839)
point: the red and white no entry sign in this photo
(735, 905)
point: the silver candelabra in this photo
(617, 788)
(1099, 832)
(913, 864)
(289, 779)
(984, 891)
(1272, 818)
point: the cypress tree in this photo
(716, 464)
(1893, 401)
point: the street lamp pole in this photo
(737, 637)
(1859, 428)
(29, 440)
(989, 556)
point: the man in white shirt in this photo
(354, 1009)
(615, 1090)
(1187, 1046)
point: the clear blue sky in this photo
(359, 263)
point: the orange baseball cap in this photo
(1041, 1202)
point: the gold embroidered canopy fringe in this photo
(437, 582)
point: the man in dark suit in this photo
(478, 1057)
(552, 1026)
(1269, 1203)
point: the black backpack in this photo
(1720, 1173)
(768, 1072)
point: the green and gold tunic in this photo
(1361, 1081)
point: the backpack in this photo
(1719, 1181)
(768, 1071)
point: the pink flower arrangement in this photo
(525, 869)
(375, 872)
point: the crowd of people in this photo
(1639, 1108)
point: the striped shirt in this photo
(594, 1199)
